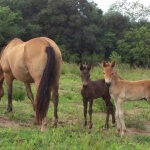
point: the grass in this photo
(70, 133)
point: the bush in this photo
(91, 58)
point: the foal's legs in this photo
(85, 104)
(55, 98)
(118, 125)
(9, 80)
(109, 109)
(121, 116)
(30, 94)
(90, 113)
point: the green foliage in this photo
(135, 47)
(92, 58)
(83, 32)
(115, 57)
(9, 24)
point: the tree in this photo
(77, 24)
(116, 25)
(134, 10)
(9, 25)
(135, 47)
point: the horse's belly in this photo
(134, 96)
(21, 73)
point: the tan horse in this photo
(36, 61)
(123, 90)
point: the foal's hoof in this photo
(55, 124)
(106, 126)
(8, 111)
(85, 123)
(91, 125)
(113, 125)
(43, 129)
(118, 129)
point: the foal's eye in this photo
(112, 73)
(103, 72)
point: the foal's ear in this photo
(81, 67)
(89, 67)
(104, 63)
(113, 64)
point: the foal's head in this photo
(85, 74)
(108, 72)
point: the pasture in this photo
(18, 132)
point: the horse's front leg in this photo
(9, 81)
(85, 104)
(55, 98)
(118, 125)
(30, 94)
(121, 116)
(90, 113)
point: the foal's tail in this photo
(44, 89)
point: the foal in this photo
(123, 90)
(92, 90)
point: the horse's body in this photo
(123, 90)
(35, 61)
(92, 90)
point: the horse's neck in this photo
(116, 79)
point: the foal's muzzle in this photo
(85, 85)
(108, 84)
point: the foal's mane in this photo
(118, 75)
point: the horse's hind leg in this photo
(9, 80)
(30, 94)
(1, 84)
(55, 98)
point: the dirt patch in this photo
(6, 122)
(133, 131)
(133, 111)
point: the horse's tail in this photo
(44, 89)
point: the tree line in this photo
(83, 32)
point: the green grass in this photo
(70, 133)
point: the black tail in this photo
(44, 89)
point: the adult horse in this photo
(36, 61)
(124, 90)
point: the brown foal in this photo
(92, 90)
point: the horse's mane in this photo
(118, 76)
